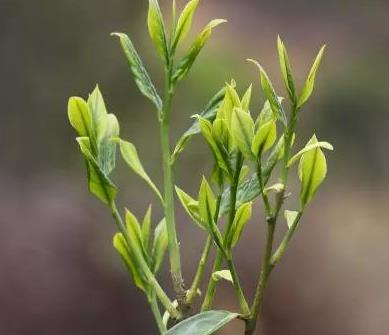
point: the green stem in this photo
(151, 297)
(169, 209)
(211, 290)
(145, 268)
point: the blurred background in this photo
(58, 271)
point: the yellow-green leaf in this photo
(286, 70)
(191, 207)
(242, 216)
(310, 82)
(264, 138)
(80, 116)
(146, 229)
(309, 147)
(156, 27)
(290, 217)
(131, 157)
(242, 131)
(222, 275)
(207, 203)
(245, 103)
(160, 244)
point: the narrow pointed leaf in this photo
(134, 232)
(107, 145)
(99, 114)
(157, 29)
(160, 244)
(80, 116)
(242, 131)
(310, 82)
(140, 74)
(207, 202)
(131, 157)
(186, 63)
(146, 229)
(242, 216)
(264, 138)
(245, 103)
(286, 70)
(205, 323)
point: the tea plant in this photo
(246, 152)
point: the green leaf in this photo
(184, 22)
(141, 76)
(312, 172)
(122, 248)
(146, 228)
(264, 138)
(99, 183)
(242, 216)
(159, 245)
(221, 134)
(134, 232)
(80, 116)
(222, 275)
(323, 145)
(205, 323)
(99, 114)
(186, 63)
(157, 29)
(231, 101)
(107, 147)
(310, 82)
(207, 202)
(290, 217)
(209, 113)
(276, 188)
(270, 94)
(242, 131)
(219, 152)
(286, 70)
(247, 99)
(131, 157)
(191, 207)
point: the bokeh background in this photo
(58, 271)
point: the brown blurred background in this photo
(58, 271)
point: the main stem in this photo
(174, 251)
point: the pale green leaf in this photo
(270, 94)
(242, 131)
(309, 147)
(231, 101)
(290, 217)
(131, 157)
(245, 103)
(156, 27)
(146, 229)
(222, 275)
(99, 114)
(205, 323)
(310, 82)
(276, 188)
(264, 138)
(107, 145)
(80, 116)
(134, 232)
(312, 172)
(184, 22)
(221, 134)
(141, 76)
(242, 216)
(186, 63)
(191, 207)
(160, 244)
(286, 70)
(207, 202)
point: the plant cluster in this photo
(246, 151)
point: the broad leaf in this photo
(242, 216)
(310, 82)
(286, 70)
(290, 217)
(186, 63)
(242, 131)
(157, 29)
(184, 22)
(323, 145)
(209, 114)
(270, 93)
(99, 183)
(122, 248)
(222, 275)
(312, 172)
(141, 77)
(131, 157)
(160, 244)
(205, 323)
(80, 116)
(191, 207)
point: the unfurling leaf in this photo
(207, 202)
(242, 131)
(120, 244)
(146, 229)
(209, 113)
(310, 82)
(264, 138)
(134, 233)
(290, 217)
(242, 216)
(222, 275)
(245, 103)
(205, 323)
(80, 116)
(312, 172)
(270, 93)
(99, 183)
(184, 22)
(159, 245)
(157, 29)
(231, 101)
(186, 63)
(323, 145)
(191, 207)
(141, 76)
(286, 70)
(130, 155)
(276, 188)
